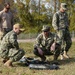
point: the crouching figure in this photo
(47, 43)
(9, 48)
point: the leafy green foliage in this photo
(34, 14)
(32, 21)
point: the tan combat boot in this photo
(4, 60)
(61, 57)
(65, 55)
(9, 63)
(43, 58)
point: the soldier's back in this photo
(6, 40)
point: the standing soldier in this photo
(46, 44)
(9, 48)
(6, 20)
(61, 24)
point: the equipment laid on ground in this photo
(37, 64)
(43, 66)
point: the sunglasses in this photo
(65, 6)
(8, 8)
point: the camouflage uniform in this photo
(6, 22)
(45, 44)
(9, 47)
(60, 24)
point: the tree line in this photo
(33, 14)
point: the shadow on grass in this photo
(22, 64)
(60, 62)
(66, 61)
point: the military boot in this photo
(9, 63)
(55, 57)
(55, 61)
(43, 58)
(5, 60)
(61, 57)
(65, 54)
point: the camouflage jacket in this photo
(60, 20)
(46, 43)
(9, 41)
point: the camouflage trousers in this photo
(65, 39)
(12, 54)
(48, 52)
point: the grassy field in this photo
(67, 67)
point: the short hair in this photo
(6, 4)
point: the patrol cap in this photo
(64, 6)
(46, 28)
(17, 25)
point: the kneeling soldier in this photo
(9, 48)
(47, 44)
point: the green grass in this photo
(67, 67)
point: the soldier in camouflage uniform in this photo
(46, 44)
(61, 24)
(9, 48)
(6, 20)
